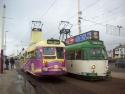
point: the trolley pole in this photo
(2, 48)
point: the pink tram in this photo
(45, 58)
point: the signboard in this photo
(53, 41)
(90, 35)
(95, 35)
(70, 40)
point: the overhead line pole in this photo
(2, 44)
(79, 17)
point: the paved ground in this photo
(113, 68)
(10, 83)
(117, 72)
(70, 85)
(118, 75)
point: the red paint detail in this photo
(70, 40)
(1, 61)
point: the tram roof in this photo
(84, 44)
(44, 44)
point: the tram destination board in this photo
(54, 41)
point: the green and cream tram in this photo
(86, 55)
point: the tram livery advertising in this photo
(45, 58)
(86, 55)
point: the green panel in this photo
(91, 74)
(86, 44)
(86, 47)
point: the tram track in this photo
(68, 85)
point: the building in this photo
(110, 54)
(119, 52)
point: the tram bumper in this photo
(53, 73)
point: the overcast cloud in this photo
(20, 13)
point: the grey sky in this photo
(20, 13)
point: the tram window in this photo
(49, 51)
(60, 54)
(31, 54)
(82, 55)
(28, 55)
(104, 53)
(98, 53)
(72, 55)
(78, 55)
(22, 57)
(67, 55)
(95, 51)
(38, 54)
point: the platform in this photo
(10, 83)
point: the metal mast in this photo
(2, 40)
(79, 17)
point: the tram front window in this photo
(98, 53)
(49, 51)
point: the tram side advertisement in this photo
(91, 35)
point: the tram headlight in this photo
(64, 69)
(93, 67)
(45, 69)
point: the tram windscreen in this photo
(53, 52)
(49, 51)
(98, 53)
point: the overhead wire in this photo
(109, 11)
(88, 7)
(52, 4)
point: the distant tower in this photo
(36, 33)
(64, 28)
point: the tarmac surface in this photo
(73, 85)
(12, 83)
(117, 72)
